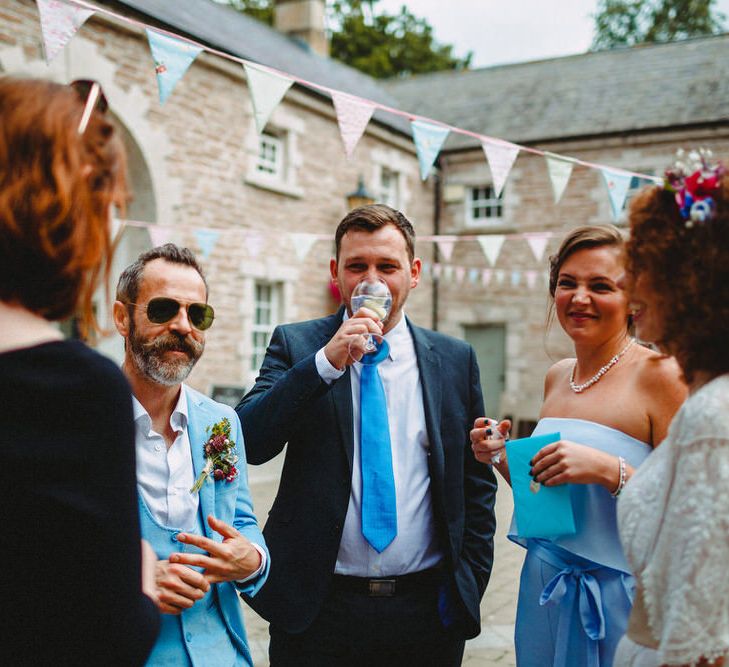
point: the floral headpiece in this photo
(695, 182)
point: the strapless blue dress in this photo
(576, 591)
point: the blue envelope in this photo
(539, 511)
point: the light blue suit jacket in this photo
(212, 630)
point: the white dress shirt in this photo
(165, 476)
(415, 548)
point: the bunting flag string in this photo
(353, 115)
(59, 22)
(60, 19)
(617, 184)
(206, 240)
(267, 90)
(429, 139)
(559, 169)
(172, 57)
(500, 156)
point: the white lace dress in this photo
(674, 524)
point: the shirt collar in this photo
(178, 418)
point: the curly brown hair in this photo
(56, 190)
(689, 269)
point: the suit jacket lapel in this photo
(430, 381)
(198, 419)
(341, 396)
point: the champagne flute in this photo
(375, 296)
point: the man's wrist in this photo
(324, 367)
(261, 566)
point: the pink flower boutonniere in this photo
(220, 454)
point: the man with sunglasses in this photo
(194, 502)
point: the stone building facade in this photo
(198, 163)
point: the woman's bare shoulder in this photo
(557, 372)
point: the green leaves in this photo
(630, 22)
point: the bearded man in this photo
(194, 502)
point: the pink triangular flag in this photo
(537, 242)
(460, 274)
(59, 22)
(531, 278)
(500, 156)
(486, 275)
(437, 270)
(353, 114)
(445, 246)
(160, 234)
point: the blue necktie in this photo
(379, 509)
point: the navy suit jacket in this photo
(291, 404)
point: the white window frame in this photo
(388, 193)
(271, 305)
(271, 167)
(483, 196)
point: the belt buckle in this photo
(381, 588)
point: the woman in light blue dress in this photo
(611, 405)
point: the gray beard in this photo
(149, 359)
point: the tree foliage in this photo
(630, 22)
(381, 45)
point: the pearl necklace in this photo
(579, 388)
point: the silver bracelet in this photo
(621, 482)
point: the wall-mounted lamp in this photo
(360, 197)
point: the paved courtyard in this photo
(495, 644)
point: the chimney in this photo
(303, 19)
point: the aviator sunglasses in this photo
(162, 309)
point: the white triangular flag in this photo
(559, 169)
(59, 22)
(445, 246)
(206, 240)
(617, 183)
(302, 243)
(448, 272)
(115, 228)
(537, 242)
(437, 270)
(254, 243)
(353, 114)
(160, 234)
(500, 156)
(267, 90)
(491, 246)
(172, 58)
(500, 275)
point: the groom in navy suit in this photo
(381, 535)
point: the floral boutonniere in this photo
(220, 454)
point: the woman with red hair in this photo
(674, 514)
(72, 593)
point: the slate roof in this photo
(604, 92)
(228, 30)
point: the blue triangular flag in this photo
(206, 240)
(171, 57)
(428, 140)
(617, 184)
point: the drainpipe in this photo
(437, 195)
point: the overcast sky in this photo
(508, 31)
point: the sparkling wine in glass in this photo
(375, 296)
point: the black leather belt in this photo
(385, 587)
